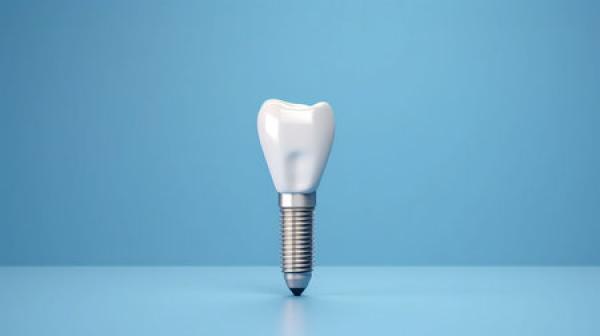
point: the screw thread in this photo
(297, 239)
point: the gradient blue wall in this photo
(468, 131)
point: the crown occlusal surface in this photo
(296, 140)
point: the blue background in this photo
(467, 131)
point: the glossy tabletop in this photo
(340, 300)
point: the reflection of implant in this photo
(293, 321)
(296, 140)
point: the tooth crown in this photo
(296, 140)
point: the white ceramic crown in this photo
(296, 140)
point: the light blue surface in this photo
(340, 301)
(468, 130)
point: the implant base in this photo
(297, 212)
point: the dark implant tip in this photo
(297, 291)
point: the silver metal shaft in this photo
(297, 212)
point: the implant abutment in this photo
(297, 211)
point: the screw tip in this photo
(297, 291)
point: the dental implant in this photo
(296, 140)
